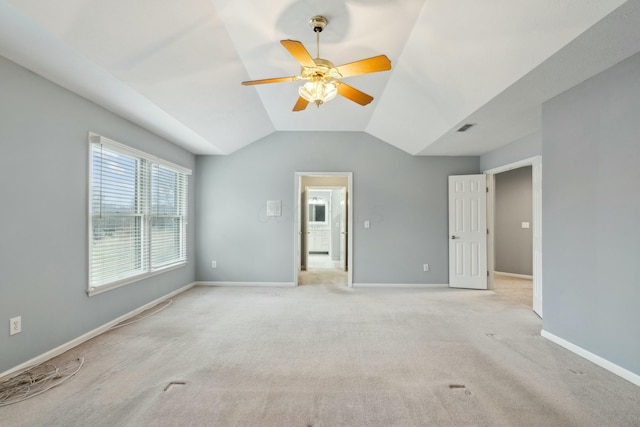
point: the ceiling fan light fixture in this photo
(318, 91)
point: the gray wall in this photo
(43, 219)
(520, 149)
(513, 206)
(404, 198)
(591, 208)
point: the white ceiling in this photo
(175, 67)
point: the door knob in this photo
(454, 237)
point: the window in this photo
(138, 215)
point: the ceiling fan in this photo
(322, 76)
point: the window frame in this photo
(143, 185)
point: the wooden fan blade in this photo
(298, 51)
(274, 80)
(364, 66)
(301, 104)
(354, 94)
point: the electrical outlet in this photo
(425, 267)
(15, 325)
(214, 264)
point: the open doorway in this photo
(322, 224)
(515, 235)
(326, 219)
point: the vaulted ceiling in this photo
(175, 67)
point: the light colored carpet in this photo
(514, 290)
(323, 276)
(327, 355)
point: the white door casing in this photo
(536, 182)
(304, 235)
(468, 231)
(300, 219)
(297, 240)
(536, 174)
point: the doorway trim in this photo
(297, 221)
(536, 172)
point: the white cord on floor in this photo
(120, 325)
(19, 388)
(30, 383)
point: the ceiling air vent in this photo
(465, 127)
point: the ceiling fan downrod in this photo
(318, 23)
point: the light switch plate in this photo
(366, 224)
(15, 325)
(525, 225)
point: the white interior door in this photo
(468, 231)
(343, 229)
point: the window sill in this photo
(95, 290)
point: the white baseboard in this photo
(291, 284)
(519, 276)
(603, 363)
(248, 284)
(91, 334)
(400, 285)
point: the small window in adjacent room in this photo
(137, 215)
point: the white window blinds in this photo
(138, 214)
(168, 213)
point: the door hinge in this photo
(487, 273)
(487, 231)
(487, 189)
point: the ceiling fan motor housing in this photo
(318, 23)
(324, 70)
